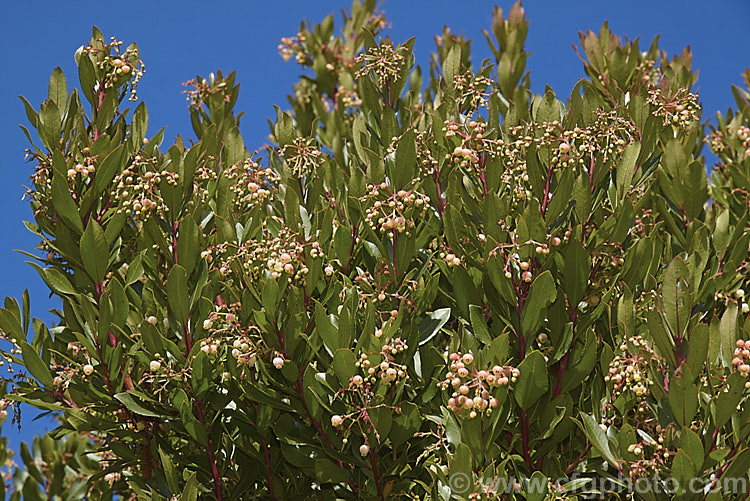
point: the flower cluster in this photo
(361, 392)
(629, 371)
(210, 346)
(385, 62)
(514, 265)
(739, 142)
(225, 323)
(471, 90)
(649, 453)
(383, 367)
(303, 156)
(650, 73)
(466, 380)
(424, 142)
(681, 110)
(137, 188)
(472, 147)
(606, 137)
(652, 456)
(741, 360)
(252, 184)
(199, 89)
(293, 46)
(272, 255)
(81, 169)
(117, 68)
(391, 213)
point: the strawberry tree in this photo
(432, 285)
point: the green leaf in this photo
(582, 197)
(479, 324)
(201, 376)
(55, 279)
(461, 474)
(61, 200)
(173, 480)
(178, 294)
(58, 88)
(683, 469)
(34, 363)
(190, 493)
(326, 471)
(542, 293)
(406, 158)
(406, 424)
(431, 325)
(344, 366)
(452, 64)
(626, 313)
(626, 168)
(95, 252)
(697, 349)
(536, 487)
(87, 77)
(187, 244)
(139, 126)
(134, 406)
(577, 270)
(107, 170)
(676, 297)
(597, 437)
(533, 380)
(135, 270)
(737, 469)
(728, 332)
(382, 420)
(683, 400)
(326, 330)
(726, 402)
(234, 147)
(674, 158)
(691, 443)
(720, 238)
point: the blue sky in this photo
(180, 39)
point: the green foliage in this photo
(432, 281)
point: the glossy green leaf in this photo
(95, 252)
(432, 323)
(178, 294)
(598, 438)
(58, 88)
(541, 294)
(533, 381)
(35, 365)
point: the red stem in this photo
(209, 451)
(269, 478)
(375, 474)
(572, 466)
(525, 440)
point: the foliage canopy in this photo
(432, 280)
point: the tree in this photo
(433, 285)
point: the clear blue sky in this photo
(180, 39)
